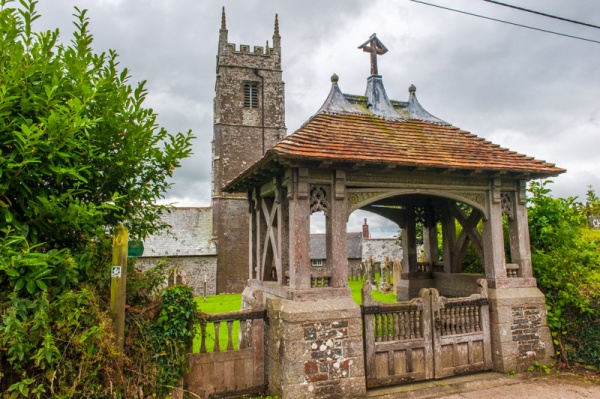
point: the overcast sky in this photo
(532, 92)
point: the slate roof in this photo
(345, 131)
(354, 244)
(193, 230)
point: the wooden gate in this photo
(227, 371)
(429, 337)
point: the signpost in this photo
(118, 281)
(594, 222)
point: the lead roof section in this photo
(376, 102)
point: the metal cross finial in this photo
(375, 47)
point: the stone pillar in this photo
(337, 243)
(519, 329)
(299, 232)
(518, 325)
(315, 349)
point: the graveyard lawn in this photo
(231, 302)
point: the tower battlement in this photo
(256, 50)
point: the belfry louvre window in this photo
(250, 95)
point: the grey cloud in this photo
(530, 91)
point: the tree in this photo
(566, 262)
(79, 154)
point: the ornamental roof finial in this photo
(375, 47)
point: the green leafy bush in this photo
(79, 154)
(566, 263)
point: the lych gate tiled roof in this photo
(372, 130)
(368, 139)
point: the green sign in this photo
(135, 249)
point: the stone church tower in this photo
(249, 119)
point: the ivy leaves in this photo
(171, 334)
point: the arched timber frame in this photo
(280, 210)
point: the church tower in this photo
(249, 119)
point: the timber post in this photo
(118, 283)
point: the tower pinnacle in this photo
(223, 31)
(277, 37)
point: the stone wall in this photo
(526, 330)
(231, 218)
(519, 330)
(379, 248)
(315, 349)
(192, 270)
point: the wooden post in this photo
(337, 250)
(299, 231)
(448, 238)
(397, 275)
(118, 283)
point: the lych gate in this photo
(397, 160)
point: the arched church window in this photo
(175, 277)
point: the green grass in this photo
(218, 304)
(356, 287)
(231, 302)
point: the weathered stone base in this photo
(314, 349)
(519, 330)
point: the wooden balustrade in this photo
(397, 325)
(459, 320)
